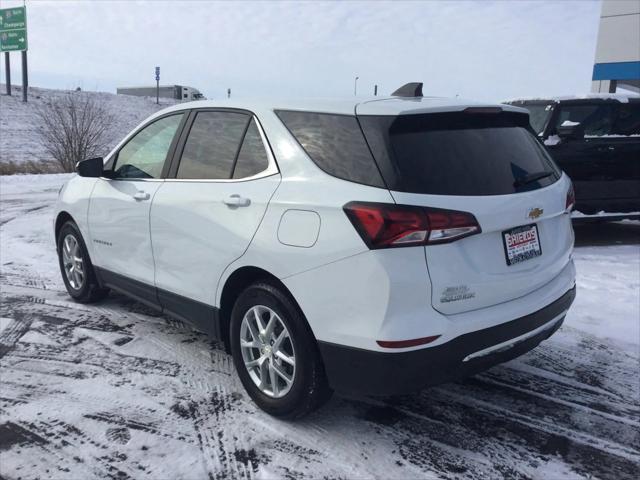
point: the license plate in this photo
(521, 244)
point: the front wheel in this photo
(275, 353)
(75, 266)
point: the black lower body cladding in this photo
(364, 372)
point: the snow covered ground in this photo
(115, 391)
(19, 141)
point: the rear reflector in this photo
(407, 343)
(383, 225)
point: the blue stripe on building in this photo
(617, 71)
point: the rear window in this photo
(459, 153)
(335, 144)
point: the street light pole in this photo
(158, 86)
(355, 86)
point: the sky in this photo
(485, 50)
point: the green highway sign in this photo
(13, 29)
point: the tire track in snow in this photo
(12, 333)
(509, 422)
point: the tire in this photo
(83, 287)
(308, 389)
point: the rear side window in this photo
(252, 158)
(212, 145)
(335, 144)
(459, 153)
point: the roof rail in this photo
(413, 89)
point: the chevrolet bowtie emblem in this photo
(535, 213)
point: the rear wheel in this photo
(75, 266)
(275, 353)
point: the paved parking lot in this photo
(115, 391)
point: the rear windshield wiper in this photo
(532, 177)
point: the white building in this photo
(617, 63)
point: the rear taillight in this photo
(383, 225)
(571, 199)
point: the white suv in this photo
(369, 247)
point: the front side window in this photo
(212, 145)
(144, 155)
(595, 119)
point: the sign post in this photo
(7, 71)
(157, 85)
(25, 76)
(13, 38)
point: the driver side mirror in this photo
(91, 167)
(570, 129)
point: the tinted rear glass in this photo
(458, 153)
(335, 144)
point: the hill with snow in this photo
(19, 140)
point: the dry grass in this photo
(30, 166)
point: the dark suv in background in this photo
(596, 141)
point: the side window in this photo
(335, 143)
(143, 156)
(628, 119)
(252, 158)
(596, 119)
(212, 145)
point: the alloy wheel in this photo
(267, 351)
(73, 262)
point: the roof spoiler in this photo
(413, 89)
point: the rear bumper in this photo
(365, 372)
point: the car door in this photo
(120, 205)
(204, 217)
(624, 157)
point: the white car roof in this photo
(346, 106)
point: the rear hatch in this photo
(487, 162)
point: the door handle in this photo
(236, 200)
(141, 195)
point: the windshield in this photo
(539, 114)
(459, 153)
